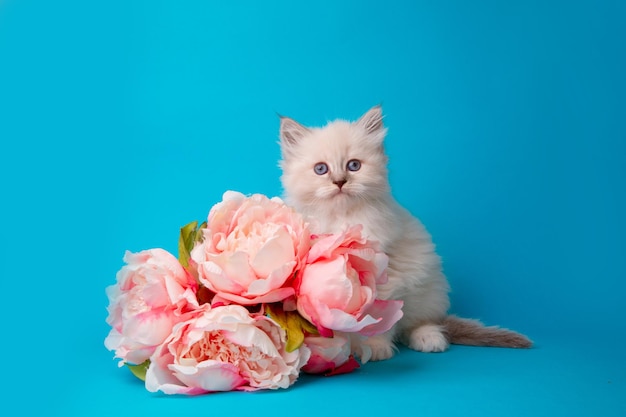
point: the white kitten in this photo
(337, 176)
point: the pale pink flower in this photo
(329, 355)
(251, 249)
(223, 349)
(337, 286)
(152, 293)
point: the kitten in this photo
(337, 175)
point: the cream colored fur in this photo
(364, 197)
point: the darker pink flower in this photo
(337, 286)
(329, 355)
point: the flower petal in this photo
(277, 251)
(209, 376)
(386, 313)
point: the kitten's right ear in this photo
(291, 131)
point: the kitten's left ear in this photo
(372, 120)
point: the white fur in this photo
(415, 273)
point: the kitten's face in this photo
(341, 163)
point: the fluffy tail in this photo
(461, 331)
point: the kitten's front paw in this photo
(380, 348)
(428, 338)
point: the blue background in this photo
(121, 121)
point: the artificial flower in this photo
(337, 286)
(251, 248)
(153, 292)
(329, 355)
(224, 348)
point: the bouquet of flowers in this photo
(253, 299)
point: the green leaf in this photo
(139, 370)
(186, 240)
(296, 326)
(189, 235)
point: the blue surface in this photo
(121, 121)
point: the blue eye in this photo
(320, 168)
(354, 165)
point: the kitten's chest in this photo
(375, 225)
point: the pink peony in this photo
(223, 349)
(252, 246)
(337, 286)
(153, 292)
(329, 355)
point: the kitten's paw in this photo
(428, 338)
(379, 347)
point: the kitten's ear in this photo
(372, 120)
(291, 131)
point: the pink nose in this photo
(340, 183)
